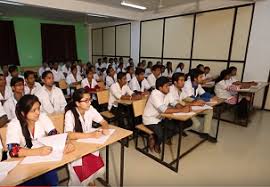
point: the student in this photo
(143, 64)
(57, 73)
(96, 76)
(3, 116)
(111, 77)
(5, 89)
(30, 85)
(130, 73)
(74, 78)
(178, 95)
(111, 63)
(4, 69)
(180, 68)
(156, 72)
(25, 129)
(148, 69)
(120, 68)
(207, 75)
(235, 81)
(43, 68)
(51, 98)
(155, 106)
(17, 85)
(158, 63)
(66, 68)
(91, 85)
(168, 71)
(79, 117)
(13, 72)
(120, 90)
(104, 63)
(162, 70)
(138, 83)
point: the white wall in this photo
(135, 41)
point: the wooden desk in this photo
(254, 89)
(129, 102)
(23, 173)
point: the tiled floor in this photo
(241, 157)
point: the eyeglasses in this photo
(86, 100)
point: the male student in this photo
(138, 83)
(155, 106)
(30, 86)
(17, 85)
(66, 68)
(156, 72)
(51, 98)
(5, 89)
(178, 95)
(43, 68)
(120, 90)
(4, 69)
(13, 72)
(111, 77)
(57, 73)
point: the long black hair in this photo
(223, 74)
(169, 69)
(23, 106)
(76, 97)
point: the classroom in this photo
(134, 92)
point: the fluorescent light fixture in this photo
(97, 15)
(11, 2)
(132, 5)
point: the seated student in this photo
(168, 70)
(158, 63)
(178, 95)
(3, 121)
(180, 68)
(74, 78)
(104, 62)
(66, 69)
(25, 129)
(156, 72)
(43, 68)
(98, 65)
(235, 81)
(30, 85)
(111, 63)
(57, 73)
(130, 73)
(79, 117)
(111, 77)
(51, 98)
(226, 90)
(143, 64)
(13, 72)
(200, 67)
(115, 61)
(17, 85)
(4, 69)
(96, 76)
(91, 85)
(138, 83)
(148, 69)
(155, 106)
(120, 90)
(5, 89)
(120, 68)
(207, 76)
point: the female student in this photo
(23, 131)
(148, 69)
(130, 73)
(79, 117)
(180, 68)
(5, 90)
(168, 70)
(74, 77)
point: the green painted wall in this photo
(28, 37)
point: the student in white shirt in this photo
(148, 69)
(138, 83)
(23, 131)
(120, 90)
(43, 68)
(17, 85)
(104, 63)
(111, 77)
(4, 69)
(79, 117)
(13, 72)
(96, 76)
(57, 73)
(51, 98)
(156, 72)
(30, 85)
(168, 70)
(143, 64)
(120, 68)
(130, 73)
(176, 94)
(98, 66)
(207, 75)
(5, 89)
(235, 81)
(155, 106)
(66, 69)
(180, 68)
(74, 78)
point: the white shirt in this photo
(70, 78)
(116, 93)
(14, 131)
(189, 90)
(110, 80)
(96, 77)
(221, 89)
(129, 77)
(152, 80)
(58, 75)
(147, 72)
(9, 107)
(8, 93)
(9, 77)
(42, 70)
(178, 70)
(166, 74)
(103, 65)
(85, 83)
(2, 110)
(86, 121)
(120, 70)
(98, 67)
(35, 89)
(154, 107)
(65, 69)
(135, 86)
(51, 101)
(233, 79)
(175, 95)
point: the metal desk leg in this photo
(179, 147)
(122, 164)
(218, 123)
(107, 164)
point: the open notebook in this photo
(6, 167)
(100, 140)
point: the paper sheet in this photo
(184, 114)
(205, 107)
(53, 157)
(100, 140)
(6, 167)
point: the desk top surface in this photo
(254, 89)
